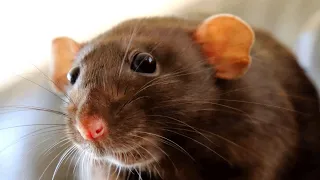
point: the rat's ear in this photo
(226, 41)
(63, 51)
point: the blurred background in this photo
(26, 31)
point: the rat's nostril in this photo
(96, 129)
(92, 129)
(99, 130)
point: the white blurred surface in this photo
(27, 27)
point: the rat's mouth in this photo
(139, 156)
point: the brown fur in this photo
(263, 126)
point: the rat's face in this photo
(131, 87)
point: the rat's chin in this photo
(140, 157)
(131, 163)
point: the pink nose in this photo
(91, 128)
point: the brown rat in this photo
(178, 99)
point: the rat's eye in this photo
(73, 74)
(144, 63)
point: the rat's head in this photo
(128, 85)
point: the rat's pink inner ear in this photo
(63, 52)
(226, 41)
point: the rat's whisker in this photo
(62, 158)
(125, 154)
(175, 119)
(159, 78)
(51, 136)
(230, 142)
(200, 144)
(84, 165)
(81, 164)
(238, 112)
(164, 78)
(211, 134)
(109, 171)
(48, 90)
(262, 104)
(153, 157)
(243, 112)
(28, 135)
(253, 118)
(47, 152)
(73, 154)
(131, 101)
(34, 147)
(28, 125)
(32, 108)
(158, 147)
(118, 174)
(229, 107)
(78, 161)
(47, 77)
(139, 174)
(160, 42)
(5, 112)
(142, 89)
(168, 140)
(248, 88)
(128, 47)
(157, 172)
(240, 89)
(90, 164)
(128, 174)
(61, 142)
(64, 149)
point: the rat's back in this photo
(271, 58)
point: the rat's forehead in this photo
(84, 51)
(110, 45)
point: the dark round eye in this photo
(73, 74)
(144, 63)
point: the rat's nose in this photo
(91, 128)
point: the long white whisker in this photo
(80, 154)
(140, 178)
(119, 170)
(74, 153)
(82, 163)
(62, 158)
(28, 125)
(109, 172)
(26, 136)
(52, 162)
(55, 144)
(22, 160)
(47, 77)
